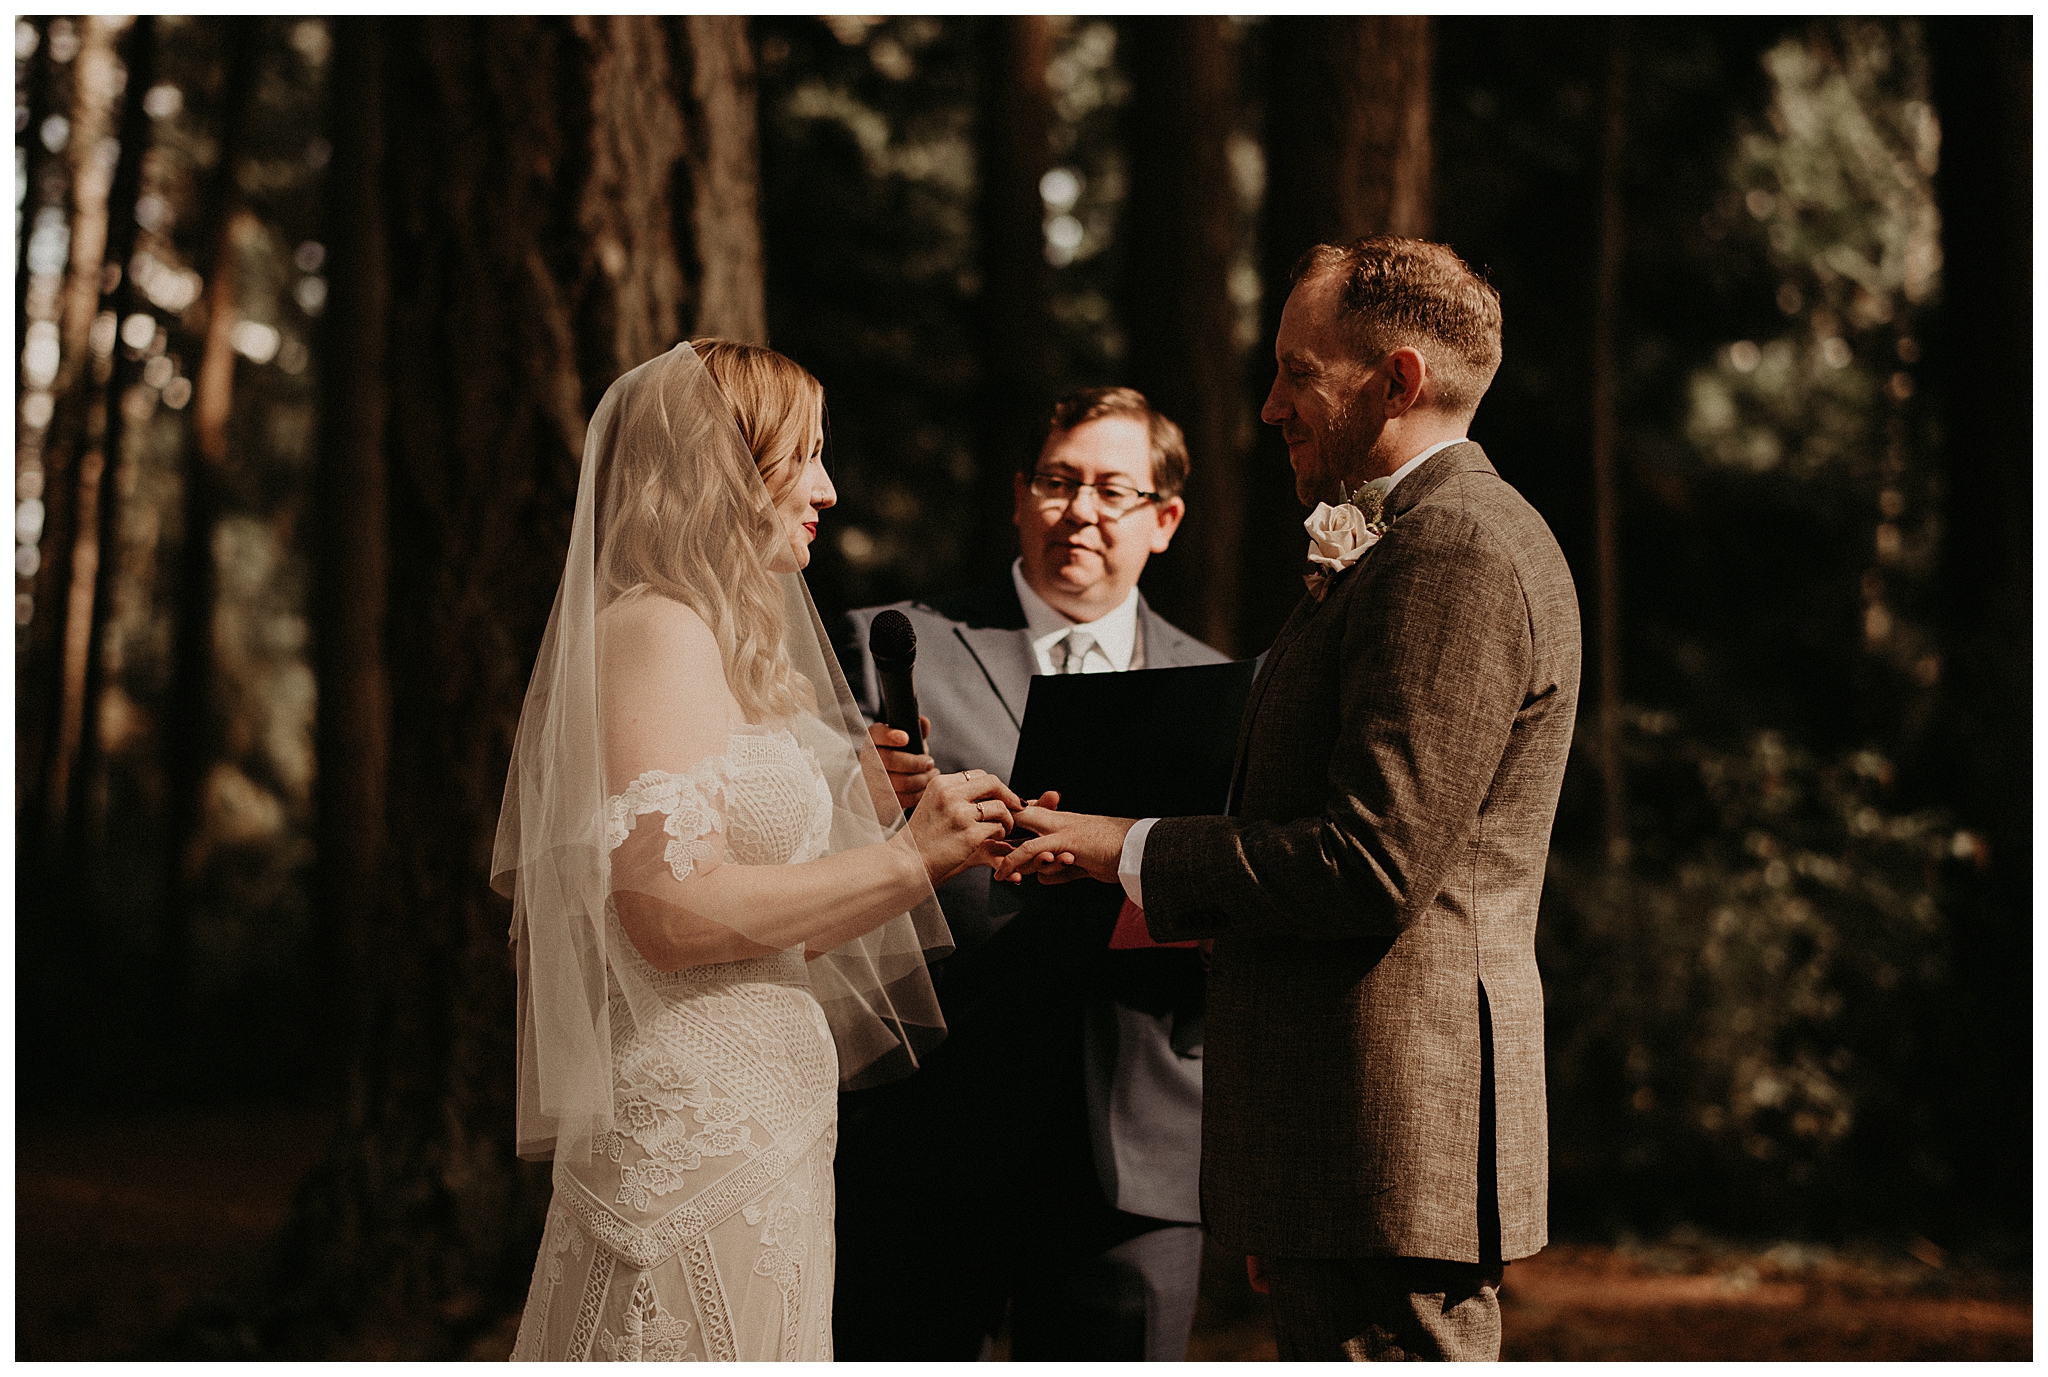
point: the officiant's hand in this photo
(1068, 846)
(909, 775)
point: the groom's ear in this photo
(1403, 374)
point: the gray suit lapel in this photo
(1004, 655)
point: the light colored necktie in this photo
(1075, 648)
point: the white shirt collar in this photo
(1115, 632)
(1416, 462)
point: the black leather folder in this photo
(1154, 743)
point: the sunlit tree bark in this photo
(725, 177)
(1180, 230)
(55, 653)
(1347, 136)
(192, 702)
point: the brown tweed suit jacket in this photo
(1397, 774)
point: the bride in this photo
(715, 924)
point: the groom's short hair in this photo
(1169, 446)
(1413, 293)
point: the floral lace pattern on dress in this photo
(691, 816)
(766, 794)
(651, 1333)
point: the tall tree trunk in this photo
(34, 87)
(725, 173)
(71, 463)
(1180, 221)
(115, 374)
(1982, 361)
(1347, 132)
(1347, 140)
(350, 593)
(83, 380)
(508, 196)
(1606, 428)
(59, 645)
(1016, 283)
(192, 702)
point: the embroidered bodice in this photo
(766, 795)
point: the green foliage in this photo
(868, 191)
(1835, 188)
(1744, 1016)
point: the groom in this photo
(1375, 1136)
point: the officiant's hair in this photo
(1413, 293)
(1076, 409)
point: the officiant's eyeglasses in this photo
(1113, 502)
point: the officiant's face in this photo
(1319, 398)
(1080, 561)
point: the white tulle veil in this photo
(670, 504)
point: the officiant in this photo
(1044, 1161)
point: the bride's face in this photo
(803, 500)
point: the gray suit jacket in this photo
(1141, 1067)
(1398, 771)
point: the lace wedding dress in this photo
(701, 1227)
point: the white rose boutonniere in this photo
(1338, 537)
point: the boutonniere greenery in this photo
(1339, 536)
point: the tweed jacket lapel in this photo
(1465, 457)
(1289, 633)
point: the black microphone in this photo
(892, 640)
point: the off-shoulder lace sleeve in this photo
(691, 803)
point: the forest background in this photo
(311, 315)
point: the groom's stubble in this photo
(1354, 444)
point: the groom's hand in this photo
(909, 775)
(1067, 843)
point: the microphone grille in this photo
(892, 639)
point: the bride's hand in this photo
(960, 822)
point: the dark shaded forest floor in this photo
(123, 1224)
(1692, 1299)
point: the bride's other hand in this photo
(960, 822)
(909, 775)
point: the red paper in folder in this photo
(1131, 933)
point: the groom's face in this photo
(1320, 399)
(1081, 562)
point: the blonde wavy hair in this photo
(690, 519)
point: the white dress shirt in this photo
(1114, 633)
(1131, 863)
